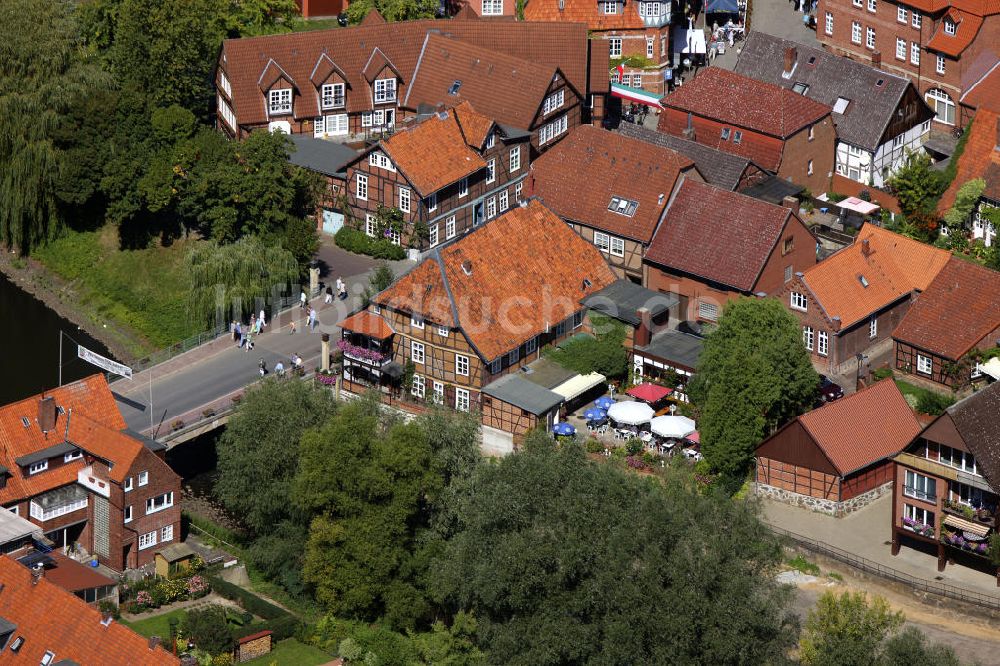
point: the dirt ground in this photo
(976, 640)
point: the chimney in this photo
(791, 203)
(37, 573)
(791, 55)
(154, 642)
(876, 59)
(467, 267)
(866, 248)
(47, 414)
(643, 332)
(836, 324)
(688, 132)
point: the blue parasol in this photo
(563, 429)
(595, 414)
(604, 402)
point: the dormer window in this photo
(280, 100)
(949, 27)
(491, 140)
(554, 101)
(40, 466)
(385, 90)
(609, 7)
(333, 95)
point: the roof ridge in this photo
(447, 287)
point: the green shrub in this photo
(354, 240)
(281, 622)
(933, 403)
(883, 373)
(633, 447)
(594, 445)
(800, 563)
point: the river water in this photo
(29, 345)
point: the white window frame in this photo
(461, 365)
(166, 533)
(901, 14)
(615, 47)
(128, 483)
(496, 365)
(492, 8)
(935, 97)
(224, 82)
(855, 32)
(873, 328)
(147, 540)
(404, 199)
(438, 393)
(531, 345)
(553, 102)
(950, 27)
(650, 47)
(432, 202)
(419, 387)
(617, 246)
(798, 301)
(577, 319)
(870, 37)
(384, 90)
(916, 18)
(153, 507)
(127, 514)
(143, 478)
(491, 170)
(370, 223)
(462, 401)
(609, 7)
(828, 24)
(279, 101)
(463, 188)
(503, 203)
(939, 64)
(808, 337)
(873, 6)
(332, 96)
(914, 53)
(40, 466)
(432, 234)
(515, 158)
(856, 3)
(918, 514)
(602, 241)
(517, 191)
(823, 343)
(925, 364)
(416, 321)
(361, 187)
(916, 485)
(417, 352)
(72, 455)
(514, 356)
(449, 227)
(900, 49)
(443, 331)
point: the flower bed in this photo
(958, 541)
(326, 380)
(920, 528)
(151, 593)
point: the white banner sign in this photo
(101, 362)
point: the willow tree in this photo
(42, 76)
(237, 278)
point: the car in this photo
(828, 390)
(342, 19)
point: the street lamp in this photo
(862, 358)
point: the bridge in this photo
(193, 387)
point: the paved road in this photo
(201, 377)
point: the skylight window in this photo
(840, 106)
(880, 83)
(800, 88)
(812, 60)
(622, 206)
(453, 90)
(863, 280)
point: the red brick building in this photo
(782, 131)
(957, 316)
(714, 246)
(855, 298)
(937, 44)
(838, 458)
(447, 172)
(979, 160)
(637, 34)
(315, 8)
(41, 623)
(629, 185)
(68, 465)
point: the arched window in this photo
(944, 107)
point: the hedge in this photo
(359, 242)
(281, 622)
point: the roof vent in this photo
(863, 280)
(562, 5)
(659, 199)
(812, 60)
(880, 83)
(467, 267)
(25, 422)
(16, 645)
(587, 284)
(442, 115)
(453, 90)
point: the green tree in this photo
(43, 77)
(910, 646)
(393, 10)
(236, 278)
(380, 279)
(604, 352)
(847, 630)
(753, 376)
(449, 646)
(915, 185)
(208, 628)
(965, 202)
(568, 561)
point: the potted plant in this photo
(177, 425)
(208, 413)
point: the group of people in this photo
(279, 367)
(243, 336)
(341, 288)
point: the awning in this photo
(966, 525)
(722, 7)
(579, 385)
(858, 205)
(635, 95)
(649, 392)
(689, 41)
(991, 367)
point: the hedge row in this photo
(357, 241)
(281, 622)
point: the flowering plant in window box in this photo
(360, 352)
(326, 379)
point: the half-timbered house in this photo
(446, 173)
(628, 186)
(475, 310)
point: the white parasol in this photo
(631, 412)
(674, 427)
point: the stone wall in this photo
(255, 647)
(829, 507)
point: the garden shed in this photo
(175, 558)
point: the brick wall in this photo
(799, 151)
(801, 256)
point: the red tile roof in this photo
(50, 619)
(504, 283)
(89, 398)
(433, 153)
(503, 87)
(612, 165)
(863, 428)
(368, 323)
(984, 91)
(976, 7)
(744, 102)
(545, 45)
(980, 159)
(959, 308)
(894, 266)
(585, 11)
(731, 248)
(475, 126)
(97, 439)
(72, 576)
(966, 29)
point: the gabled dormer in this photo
(330, 82)
(278, 88)
(384, 78)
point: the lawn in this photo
(290, 652)
(156, 626)
(315, 24)
(141, 291)
(927, 401)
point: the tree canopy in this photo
(753, 375)
(965, 202)
(393, 10)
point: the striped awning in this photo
(966, 525)
(635, 95)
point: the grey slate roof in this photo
(546, 373)
(718, 168)
(676, 347)
(623, 298)
(829, 77)
(326, 157)
(524, 394)
(58, 449)
(977, 419)
(13, 528)
(773, 190)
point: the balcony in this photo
(917, 527)
(89, 479)
(371, 355)
(58, 503)
(982, 517)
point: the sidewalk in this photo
(867, 533)
(775, 17)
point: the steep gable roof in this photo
(862, 428)
(873, 95)
(612, 165)
(981, 82)
(975, 418)
(51, 619)
(744, 102)
(967, 27)
(433, 153)
(508, 281)
(893, 267)
(585, 11)
(959, 307)
(474, 125)
(721, 236)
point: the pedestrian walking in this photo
(312, 319)
(279, 369)
(263, 322)
(238, 334)
(262, 366)
(303, 299)
(232, 330)
(341, 289)
(291, 328)
(249, 344)
(329, 295)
